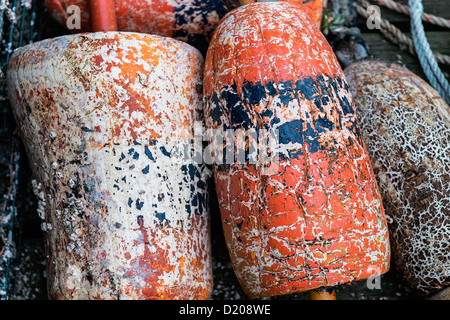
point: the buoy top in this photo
(273, 36)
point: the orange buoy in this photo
(312, 216)
(191, 21)
(313, 8)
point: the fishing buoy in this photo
(191, 21)
(311, 216)
(107, 120)
(313, 8)
(406, 125)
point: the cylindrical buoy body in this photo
(107, 120)
(191, 21)
(406, 125)
(314, 218)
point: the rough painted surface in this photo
(192, 21)
(313, 8)
(103, 117)
(318, 221)
(406, 125)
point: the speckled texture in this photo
(192, 21)
(313, 8)
(102, 117)
(318, 220)
(406, 125)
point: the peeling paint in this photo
(313, 8)
(99, 142)
(192, 21)
(406, 125)
(318, 221)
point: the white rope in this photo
(424, 53)
(401, 8)
(396, 36)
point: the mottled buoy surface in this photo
(313, 8)
(315, 218)
(192, 21)
(406, 125)
(107, 120)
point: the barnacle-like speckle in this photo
(406, 125)
(124, 215)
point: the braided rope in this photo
(401, 8)
(396, 36)
(424, 53)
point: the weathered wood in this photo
(384, 49)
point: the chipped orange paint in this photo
(100, 114)
(236, 59)
(319, 220)
(192, 21)
(313, 8)
(136, 101)
(164, 25)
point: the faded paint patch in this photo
(101, 116)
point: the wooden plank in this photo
(384, 49)
(438, 37)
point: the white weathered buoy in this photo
(107, 120)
